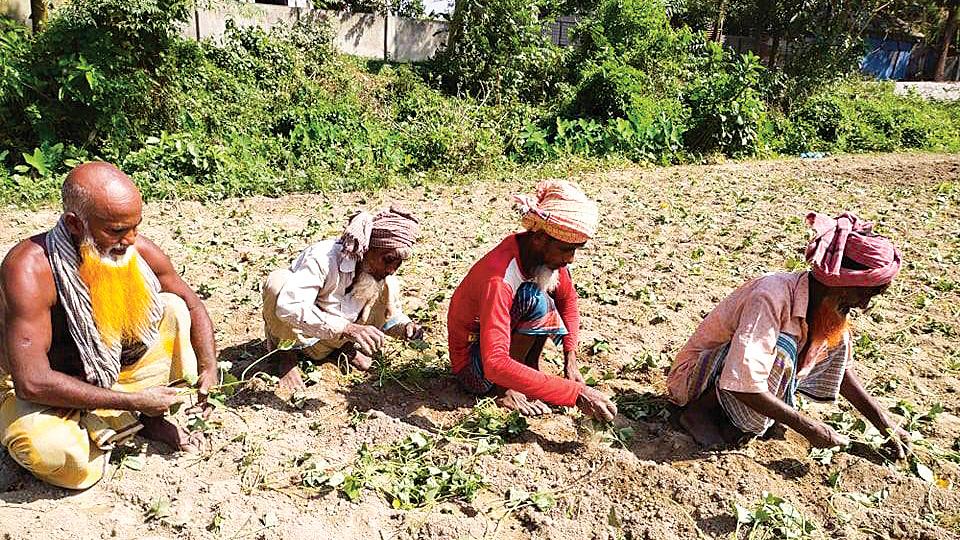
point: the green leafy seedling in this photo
(158, 509)
(773, 517)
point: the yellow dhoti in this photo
(71, 447)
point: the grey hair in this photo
(75, 198)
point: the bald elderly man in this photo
(96, 323)
(785, 334)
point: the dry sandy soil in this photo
(672, 243)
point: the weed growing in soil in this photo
(917, 420)
(414, 472)
(608, 433)
(645, 406)
(487, 424)
(518, 498)
(422, 469)
(867, 500)
(409, 364)
(158, 509)
(866, 436)
(773, 517)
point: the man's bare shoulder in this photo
(26, 271)
(153, 255)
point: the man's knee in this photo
(58, 453)
(273, 283)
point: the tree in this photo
(497, 49)
(947, 38)
(38, 14)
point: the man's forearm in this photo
(201, 337)
(852, 390)
(57, 389)
(768, 405)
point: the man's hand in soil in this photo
(898, 441)
(368, 339)
(824, 436)
(206, 380)
(596, 405)
(819, 434)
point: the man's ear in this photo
(74, 224)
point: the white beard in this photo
(366, 289)
(108, 257)
(546, 279)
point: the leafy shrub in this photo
(271, 112)
(430, 126)
(92, 74)
(638, 34)
(496, 49)
(725, 104)
(867, 117)
(609, 90)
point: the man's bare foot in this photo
(158, 428)
(361, 361)
(703, 430)
(291, 378)
(515, 401)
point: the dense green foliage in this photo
(496, 49)
(280, 111)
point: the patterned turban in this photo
(393, 228)
(561, 210)
(848, 236)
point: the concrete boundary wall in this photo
(384, 37)
(367, 35)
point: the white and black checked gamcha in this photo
(101, 364)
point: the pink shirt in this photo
(751, 319)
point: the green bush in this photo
(857, 116)
(92, 75)
(609, 90)
(725, 103)
(430, 126)
(280, 111)
(496, 50)
(625, 53)
(638, 34)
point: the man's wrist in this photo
(132, 401)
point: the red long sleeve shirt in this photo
(481, 304)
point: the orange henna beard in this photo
(119, 295)
(828, 324)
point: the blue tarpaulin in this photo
(887, 58)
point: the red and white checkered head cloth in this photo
(848, 236)
(561, 210)
(393, 227)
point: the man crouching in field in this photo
(340, 297)
(96, 322)
(516, 297)
(785, 333)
